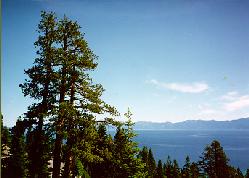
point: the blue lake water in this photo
(180, 143)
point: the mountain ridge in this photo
(238, 124)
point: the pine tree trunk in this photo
(59, 137)
(43, 110)
(58, 140)
(69, 155)
(38, 171)
(69, 162)
(57, 156)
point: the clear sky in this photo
(168, 60)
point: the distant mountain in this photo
(241, 124)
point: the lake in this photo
(180, 143)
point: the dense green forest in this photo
(64, 132)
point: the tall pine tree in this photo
(126, 161)
(41, 86)
(65, 95)
(79, 99)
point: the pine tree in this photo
(126, 163)
(79, 99)
(168, 168)
(41, 86)
(33, 150)
(18, 162)
(186, 168)
(159, 170)
(5, 136)
(151, 164)
(190, 170)
(214, 161)
(247, 173)
(164, 169)
(194, 170)
(65, 95)
(143, 154)
(5, 149)
(175, 169)
(101, 168)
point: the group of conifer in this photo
(113, 156)
(63, 133)
(212, 164)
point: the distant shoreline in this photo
(239, 124)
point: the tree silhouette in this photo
(41, 86)
(159, 170)
(214, 161)
(186, 168)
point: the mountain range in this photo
(239, 124)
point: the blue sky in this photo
(167, 60)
